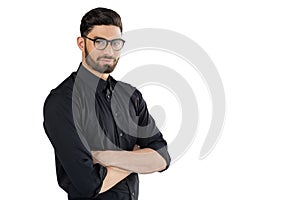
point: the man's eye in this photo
(117, 43)
(100, 42)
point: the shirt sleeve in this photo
(149, 135)
(75, 159)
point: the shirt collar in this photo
(94, 82)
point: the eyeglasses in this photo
(101, 43)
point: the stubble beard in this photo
(95, 65)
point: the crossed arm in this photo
(120, 164)
(62, 131)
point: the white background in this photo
(255, 46)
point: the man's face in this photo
(103, 61)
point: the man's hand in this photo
(114, 175)
(136, 147)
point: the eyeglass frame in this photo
(107, 42)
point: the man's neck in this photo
(103, 76)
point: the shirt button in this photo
(108, 96)
(116, 114)
(132, 193)
(121, 134)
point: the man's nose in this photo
(108, 50)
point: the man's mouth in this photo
(106, 60)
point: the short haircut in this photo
(99, 16)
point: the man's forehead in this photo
(106, 31)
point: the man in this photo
(100, 128)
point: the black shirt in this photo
(87, 113)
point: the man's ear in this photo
(80, 43)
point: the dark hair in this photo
(99, 16)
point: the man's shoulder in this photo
(127, 89)
(65, 88)
(124, 86)
(63, 92)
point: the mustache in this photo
(106, 57)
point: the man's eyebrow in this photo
(97, 37)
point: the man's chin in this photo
(104, 69)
